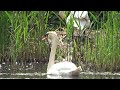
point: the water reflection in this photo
(38, 75)
(89, 75)
(38, 71)
(61, 77)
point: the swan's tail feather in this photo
(76, 72)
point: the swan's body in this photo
(61, 68)
(81, 17)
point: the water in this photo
(38, 71)
(38, 75)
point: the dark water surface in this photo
(38, 71)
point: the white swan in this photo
(61, 68)
(81, 17)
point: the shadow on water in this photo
(38, 71)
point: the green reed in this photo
(4, 35)
(105, 55)
(102, 45)
(25, 29)
(21, 33)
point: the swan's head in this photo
(50, 36)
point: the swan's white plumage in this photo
(81, 17)
(62, 68)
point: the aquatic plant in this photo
(21, 32)
(105, 55)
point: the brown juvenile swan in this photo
(60, 68)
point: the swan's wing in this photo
(62, 68)
(52, 71)
(83, 24)
(74, 72)
(84, 14)
(78, 14)
(66, 65)
(68, 18)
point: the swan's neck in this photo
(54, 43)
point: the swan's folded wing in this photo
(62, 68)
(75, 72)
(53, 71)
(65, 73)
